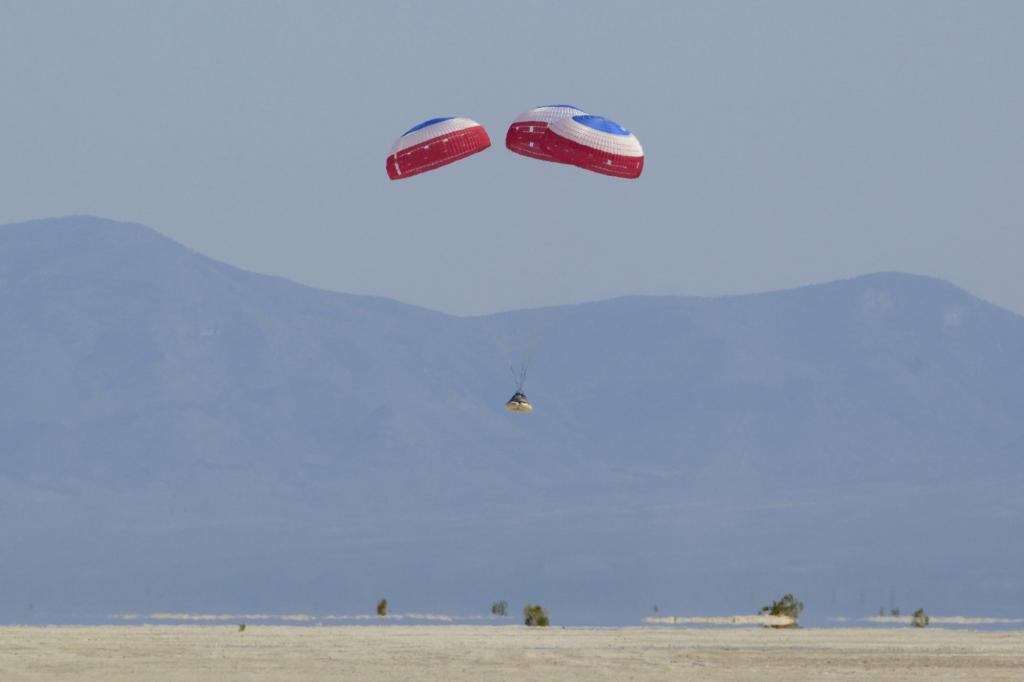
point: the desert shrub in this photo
(241, 627)
(536, 615)
(788, 606)
(499, 608)
(382, 608)
(894, 612)
(920, 619)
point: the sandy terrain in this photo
(191, 652)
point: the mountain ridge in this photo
(191, 436)
(91, 222)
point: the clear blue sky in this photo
(787, 142)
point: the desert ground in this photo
(454, 652)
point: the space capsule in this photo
(518, 403)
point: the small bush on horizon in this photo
(382, 608)
(499, 608)
(536, 615)
(241, 627)
(788, 606)
(894, 612)
(920, 619)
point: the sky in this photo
(786, 143)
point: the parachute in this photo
(594, 143)
(526, 133)
(559, 133)
(435, 143)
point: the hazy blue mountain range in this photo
(180, 435)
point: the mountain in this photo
(180, 435)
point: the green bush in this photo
(536, 615)
(920, 619)
(382, 608)
(499, 608)
(788, 606)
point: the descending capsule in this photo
(435, 143)
(526, 133)
(518, 403)
(595, 143)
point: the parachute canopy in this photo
(594, 143)
(519, 403)
(525, 134)
(435, 143)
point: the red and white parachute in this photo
(566, 134)
(435, 143)
(558, 132)
(595, 143)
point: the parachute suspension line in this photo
(519, 377)
(525, 357)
